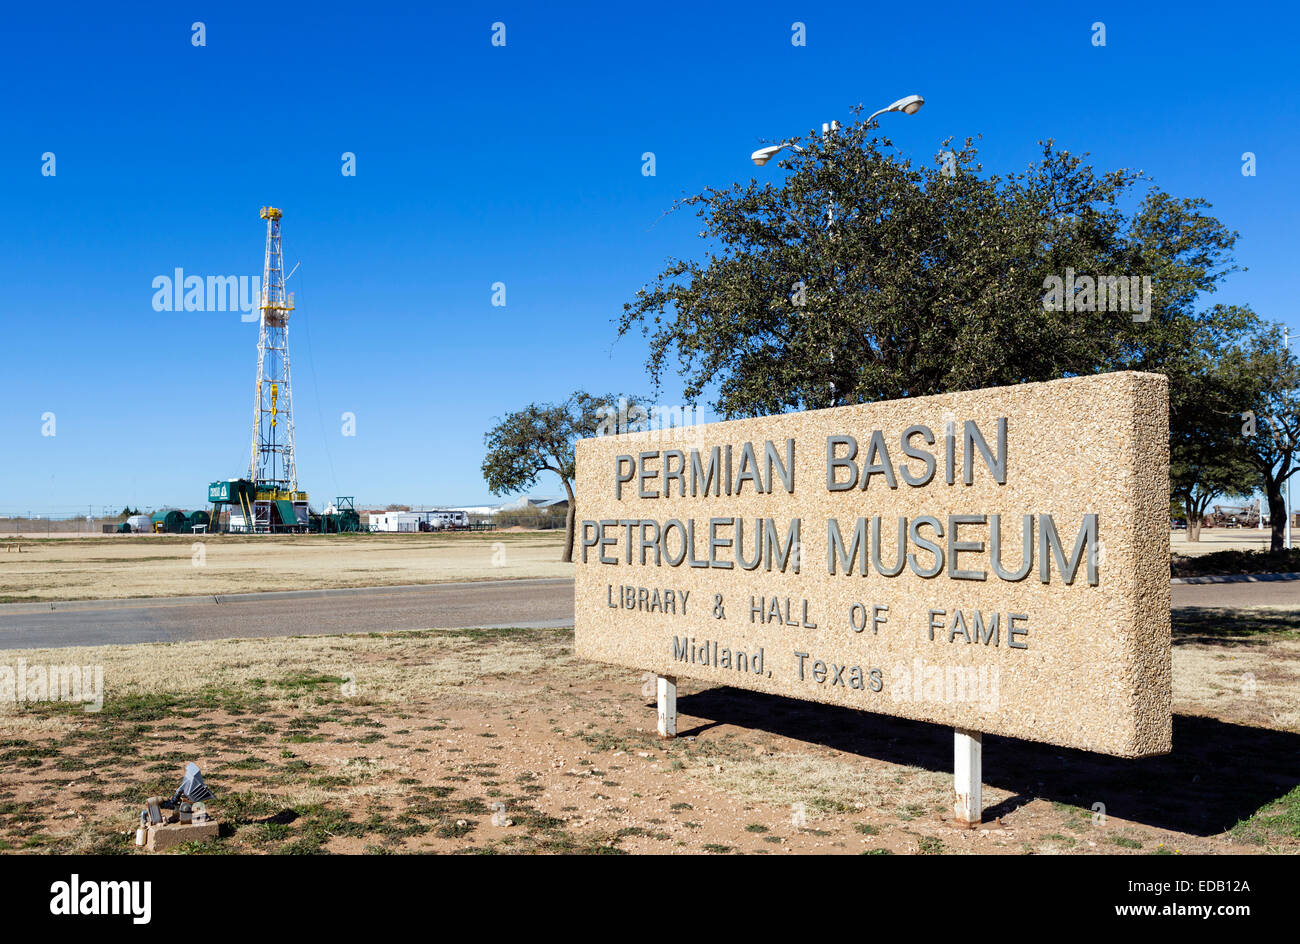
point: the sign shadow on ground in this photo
(1217, 774)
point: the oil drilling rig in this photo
(272, 469)
(268, 500)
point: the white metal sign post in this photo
(967, 749)
(667, 693)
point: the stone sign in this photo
(996, 560)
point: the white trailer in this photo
(395, 522)
(440, 520)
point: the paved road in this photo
(1239, 594)
(538, 603)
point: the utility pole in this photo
(1286, 540)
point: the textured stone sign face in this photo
(996, 560)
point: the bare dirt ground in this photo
(116, 566)
(478, 741)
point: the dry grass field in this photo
(475, 741)
(489, 741)
(1220, 539)
(113, 566)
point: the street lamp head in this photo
(908, 106)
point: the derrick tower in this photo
(271, 466)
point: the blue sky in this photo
(477, 164)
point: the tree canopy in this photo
(860, 276)
(540, 438)
(1266, 379)
(1208, 388)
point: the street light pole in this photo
(909, 105)
(1286, 540)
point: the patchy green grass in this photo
(254, 700)
(1273, 823)
(1073, 817)
(302, 682)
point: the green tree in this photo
(1208, 455)
(861, 277)
(541, 437)
(1270, 417)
